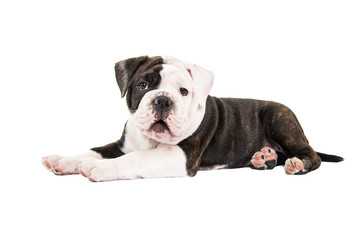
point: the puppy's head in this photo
(166, 97)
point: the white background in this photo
(58, 94)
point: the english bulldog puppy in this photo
(175, 129)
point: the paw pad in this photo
(266, 158)
(91, 178)
(294, 166)
(46, 163)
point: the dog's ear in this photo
(203, 80)
(125, 70)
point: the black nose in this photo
(162, 103)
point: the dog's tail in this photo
(329, 158)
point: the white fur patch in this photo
(203, 79)
(215, 167)
(163, 161)
(134, 139)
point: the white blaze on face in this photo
(174, 126)
(187, 111)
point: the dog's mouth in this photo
(159, 127)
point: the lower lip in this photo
(159, 127)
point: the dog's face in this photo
(166, 97)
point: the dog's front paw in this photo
(60, 165)
(97, 170)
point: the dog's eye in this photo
(184, 91)
(143, 86)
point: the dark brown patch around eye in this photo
(143, 86)
(150, 77)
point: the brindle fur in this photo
(234, 129)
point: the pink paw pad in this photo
(258, 160)
(83, 173)
(294, 166)
(266, 158)
(58, 170)
(46, 162)
(270, 154)
(90, 178)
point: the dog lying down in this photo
(175, 129)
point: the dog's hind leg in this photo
(284, 129)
